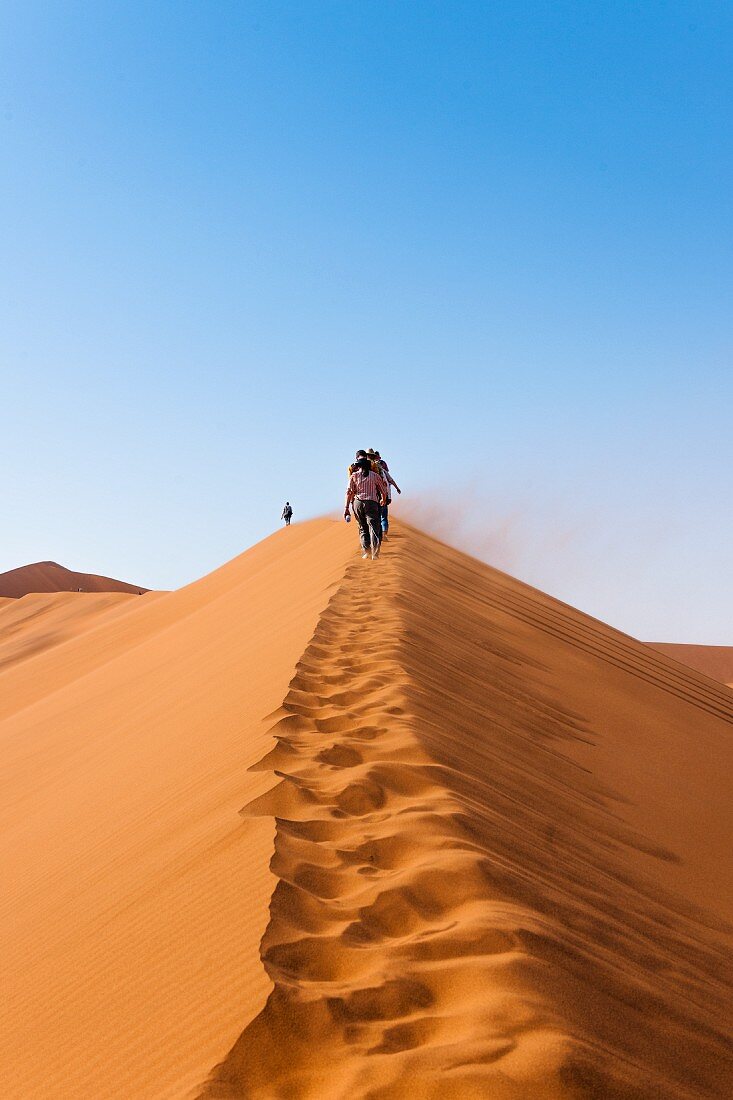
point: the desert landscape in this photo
(286, 832)
(367, 377)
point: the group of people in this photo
(368, 496)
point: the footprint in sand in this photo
(340, 756)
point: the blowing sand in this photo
(499, 835)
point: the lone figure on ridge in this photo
(287, 513)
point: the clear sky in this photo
(240, 240)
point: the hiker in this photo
(375, 466)
(287, 513)
(355, 464)
(383, 469)
(365, 493)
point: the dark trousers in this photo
(370, 527)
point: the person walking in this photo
(354, 465)
(287, 513)
(374, 465)
(365, 492)
(384, 471)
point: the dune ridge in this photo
(475, 896)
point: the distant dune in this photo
(320, 828)
(715, 661)
(48, 576)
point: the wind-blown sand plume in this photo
(49, 576)
(501, 831)
(134, 895)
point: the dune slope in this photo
(49, 576)
(715, 661)
(502, 854)
(31, 624)
(134, 895)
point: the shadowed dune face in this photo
(494, 874)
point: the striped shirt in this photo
(365, 486)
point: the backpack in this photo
(372, 462)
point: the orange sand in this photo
(135, 896)
(33, 623)
(501, 843)
(715, 661)
(48, 576)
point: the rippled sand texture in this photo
(321, 828)
(134, 896)
(495, 876)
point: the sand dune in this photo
(501, 843)
(135, 896)
(715, 661)
(31, 624)
(49, 576)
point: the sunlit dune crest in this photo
(324, 828)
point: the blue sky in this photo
(494, 240)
